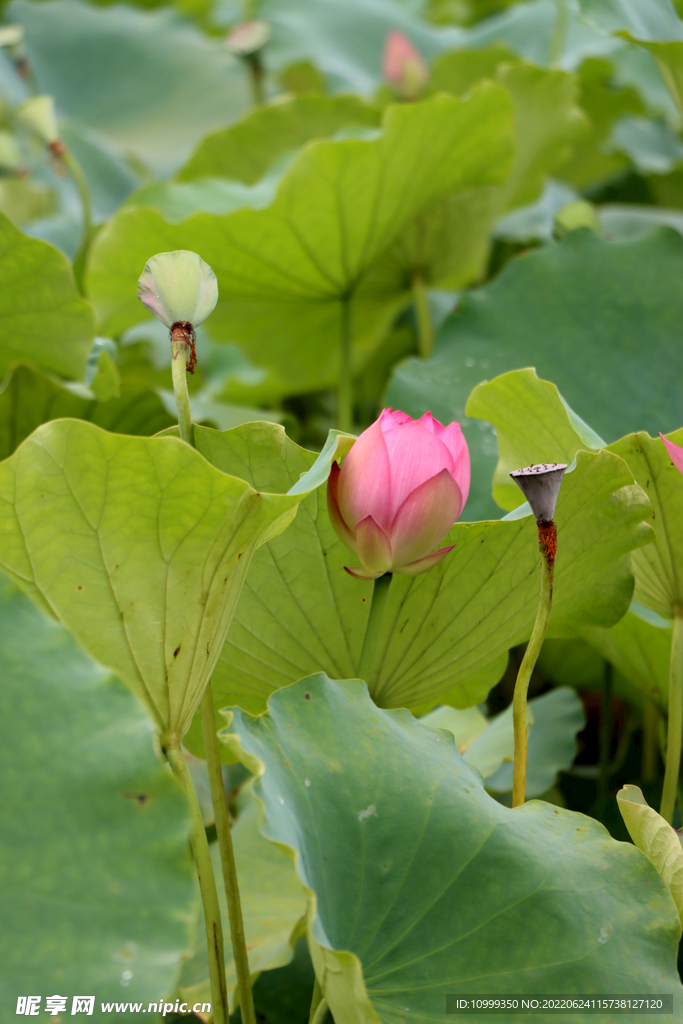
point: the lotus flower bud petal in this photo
(178, 287)
(248, 38)
(403, 66)
(540, 485)
(398, 492)
(37, 115)
(675, 453)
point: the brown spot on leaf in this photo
(177, 651)
(140, 798)
(307, 696)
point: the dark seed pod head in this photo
(540, 485)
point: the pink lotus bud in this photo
(675, 453)
(399, 490)
(403, 67)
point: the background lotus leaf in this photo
(467, 895)
(145, 545)
(98, 895)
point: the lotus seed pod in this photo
(248, 38)
(178, 287)
(37, 115)
(10, 154)
(541, 485)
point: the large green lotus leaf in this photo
(592, 162)
(466, 896)
(245, 151)
(533, 424)
(46, 321)
(659, 570)
(553, 721)
(139, 546)
(654, 24)
(29, 398)
(656, 838)
(273, 906)
(640, 649)
(445, 632)
(449, 243)
(579, 312)
(283, 271)
(97, 887)
(151, 83)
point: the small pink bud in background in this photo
(398, 492)
(403, 67)
(675, 453)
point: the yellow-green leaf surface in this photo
(659, 570)
(533, 424)
(466, 896)
(29, 398)
(45, 320)
(245, 151)
(284, 270)
(273, 906)
(640, 649)
(300, 612)
(97, 894)
(139, 547)
(656, 838)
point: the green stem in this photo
(81, 184)
(320, 1013)
(675, 725)
(315, 1000)
(606, 726)
(559, 34)
(379, 599)
(423, 315)
(345, 389)
(207, 885)
(256, 76)
(650, 745)
(179, 350)
(531, 654)
(232, 893)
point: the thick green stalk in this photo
(606, 726)
(256, 76)
(316, 999)
(423, 316)
(345, 387)
(320, 1013)
(559, 35)
(81, 184)
(379, 599)
(531, 654)
(672, 764)
(179, 349)
(207, 885)
(232, 893)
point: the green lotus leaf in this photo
(98, 892)
(45, 320)
(533, 424)
(140, 547)
(29, 398)
(246, 151)
(150, 83)
(656, 838)
(658, 571)
(553, 721)
(577, 311)
(445, 634)
(273, 906)
(640, 649)
(467, 896)
(284, 271)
